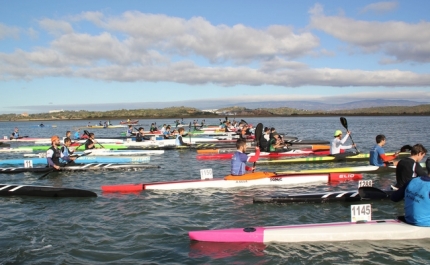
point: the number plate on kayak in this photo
(206, 173)
(28, 163)
(361, 213)
(365, 183)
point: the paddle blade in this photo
(344, 122)
(87, 133)
(372, 193)
(258, 132)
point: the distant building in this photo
(25, 114)
(210, 110)
(56, 110)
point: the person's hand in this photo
(56, 167)
(354, 145)
(348, 132)
(257, 148)
(396, 153)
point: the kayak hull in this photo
(42, 191)
(326, 232)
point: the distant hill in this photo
(308, 105)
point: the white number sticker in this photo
(28, 163)
(361, 212)
(365, 183)
(41, 155)
(128, 140)
(5, 137)
(206, 173)
(248, 144)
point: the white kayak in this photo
(108, 152)
(102, 141)
(15, 150)
(325, 232)
(248, 180)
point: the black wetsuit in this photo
(405, 171)
(89, 142)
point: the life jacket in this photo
(56, 156)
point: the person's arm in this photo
(181, 142)
(255, 157)
(386, 158)
(419, 170)
(399, 194)
(344, 139)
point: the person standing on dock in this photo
(239, 159)
(337, 142)
(377, 155)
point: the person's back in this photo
(409, 167)
(417, 201)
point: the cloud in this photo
(380, 7)
(8, 32)
(405, 42)
(55, 26)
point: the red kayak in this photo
(267, 154)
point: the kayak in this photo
(357, 169)
(390, 229)
(107, 152)
(87, 167)
(247, 180)
(82, 160)
(340, 196)
(15, 150)
(315, 148)
(82, 141)
(265, 154)
(42, 191)
(301, 142)
(322, 159)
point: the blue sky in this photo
(76, 55)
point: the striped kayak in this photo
(42, 191)
(86, 167)
(390, 229)
(315, 148)
(340, 196)
(264, 154)
(108, 152)
(323, 159)
(247, 180)
(82, 160)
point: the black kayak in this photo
(78, 167)
(345, 196)
(42, 191)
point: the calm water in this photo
(151, 227)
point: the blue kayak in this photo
(82, 160)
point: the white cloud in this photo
(56, 27)
(8, 32)
(380, 7)
(401, 40)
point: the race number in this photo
(5, 137)
(206, 173)
(248, 144)
(128, 140)
(28, 163)
(365, 183)
(41, 155)
(361, 212)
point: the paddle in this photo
(345, 125)
(189, 130)
(53, 169)
(258, 133)
(372, 193)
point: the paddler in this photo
(77, 134)
(417, 200)
(377, 155)
(140, 136)
(179, 141)
(337, 142)
(130, 131)
(53, 154)
(91, 142)
(409, 167)
(65, 152)
(276, 142)
(239, 159)
(15, 134)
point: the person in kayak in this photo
(337, 143)
(416, 192)
(179, 141)
(264, 139)
(377, 155)
(140, 136)
(153, 128)
(409, 167)
(276, 142)
(15, 134)
(167, 133)
(130, 131)
(66, 153)
(53, 154)
(77, 134)
(239, 159)
(91, 142)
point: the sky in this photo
(102, 55)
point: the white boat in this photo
(325, 232)
(247, 180)
(15, 150)
(108, 152)
(102, 141)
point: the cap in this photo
(55, 137)
(337, 132)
